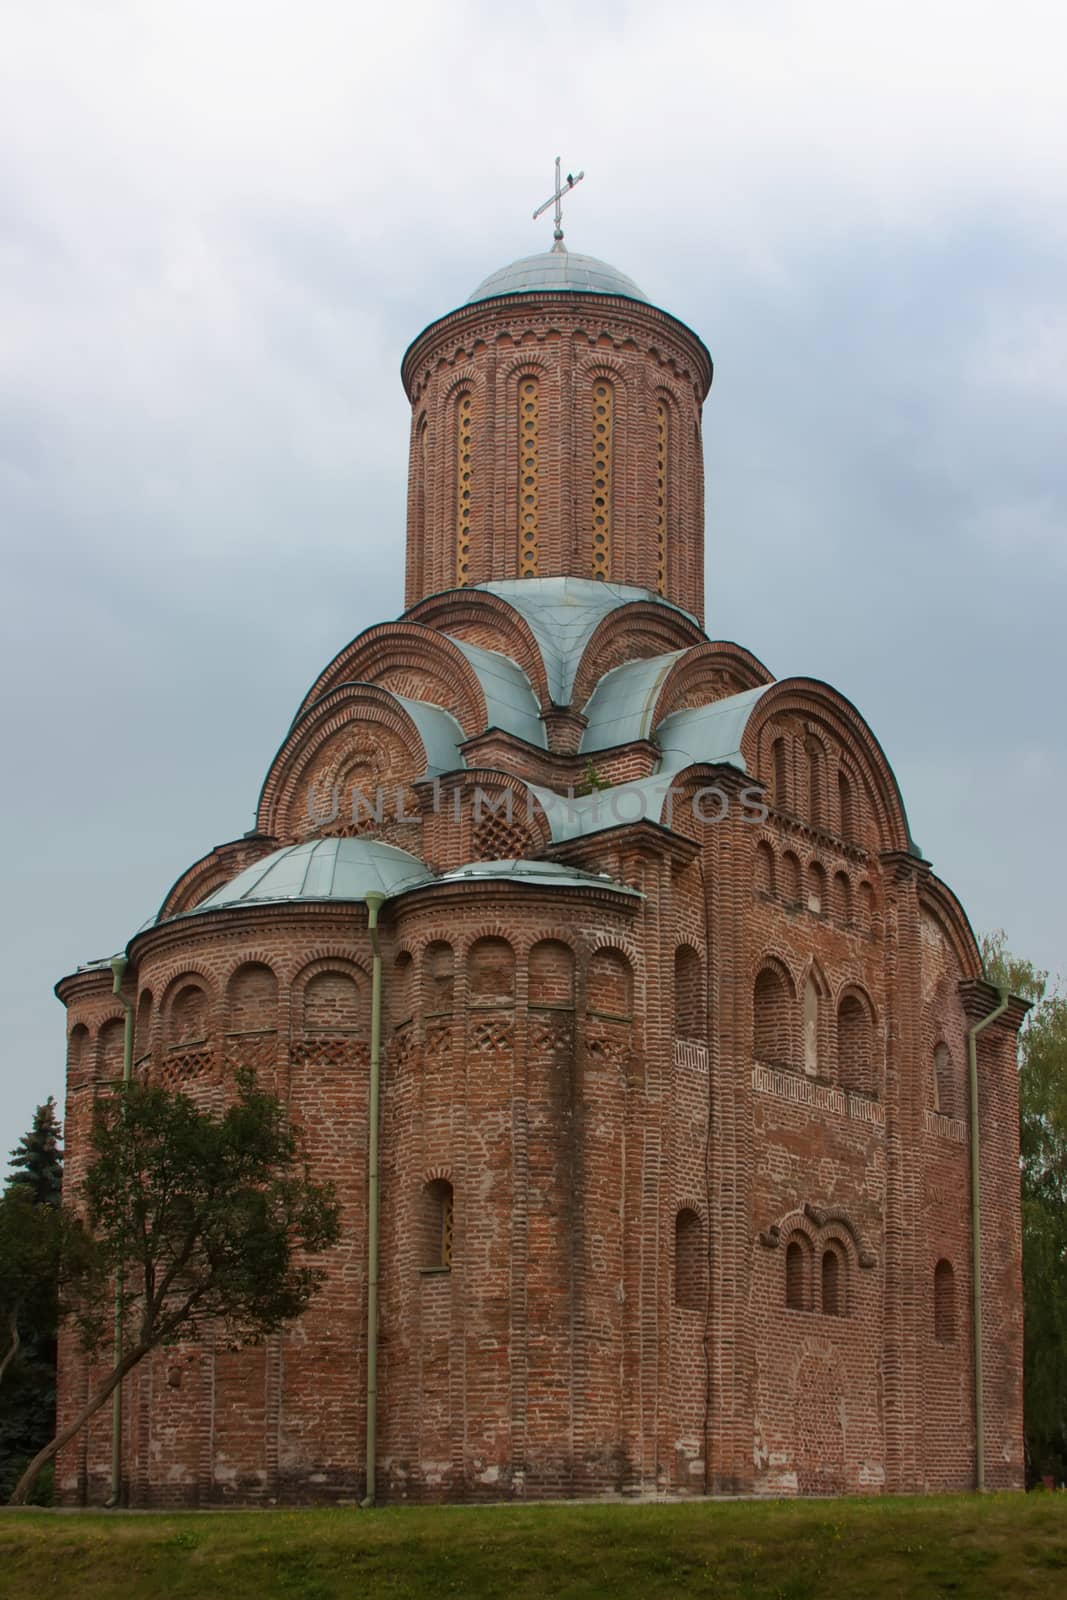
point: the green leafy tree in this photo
(200, 1218)
(1043, 1148)
(37, 1161)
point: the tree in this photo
(198, 1218)
(38, 1159)
(1043, 1151)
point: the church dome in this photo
(321, 869)
(557, 271)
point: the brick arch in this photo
(219, 866)
(489, 621)
(610, 981)
(825, 714)
(938, 899)
(774, 1001)
(356, 708)
(252, 993)
(706, 673)
(590, 370)
(331, 996)
(492, 971)
(637, 631)
(181, 1017)
(412, 659)
(552, 971)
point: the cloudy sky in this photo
(220, 225)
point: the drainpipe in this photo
(118, 968)
(374, 904)
(976, 1238)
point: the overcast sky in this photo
(220, 226)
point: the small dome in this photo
(321, 869)
(557, 271)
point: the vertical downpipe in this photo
(118, 968)
(976, 1239)
(374, 904)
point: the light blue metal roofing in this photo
(439, 731)
(707, 734)
(557, 271)
(620, 708)
(321, 869)
(536, 874)
(510, 702)
(563, 613)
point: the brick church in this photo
(675, 1136)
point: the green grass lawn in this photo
(1003, 1545)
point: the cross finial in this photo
(557, 200)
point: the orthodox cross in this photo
(557, 200)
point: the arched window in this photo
(844, 806)
(491, 973)
(816, 889)
(609, 985)
(833, 1282)
(688, 987)
(551, 975)
(529, 475)
(771, 1030)
(464, 438)
(779, 774)
(331, 1003)
(142, 1036)
(790, 879)
(438, 966)
(438, 1224)
(112, 1043)
(690, 1277)
(796, 1275)
(402, 989)
(78, 1051)
(816, 805)
(419, 462)
(855, 1046)
(251, 999)
(764, 868)
(603, 407)
(944, 1087)
(812, 1001)
(663, 439)
(841, 899)
(944, 1303)
(188, 1016)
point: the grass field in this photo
(1002, 1545)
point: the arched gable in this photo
(409, 659)
(360, 738)
(486, 620)
(634, 632)
(937, 898)
(709, 671)
(823, 714)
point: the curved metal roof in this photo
(557, 271)
(320, 869)
(510, 703)
(620, 708)
(537, 874)
(563, 614)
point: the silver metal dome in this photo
(321, 869)
(557, 271)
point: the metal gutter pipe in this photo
(976, 1237)
(374, 902)
(118, 968)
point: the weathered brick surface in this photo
(674, 1187)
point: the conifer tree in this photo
(37, 1160)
